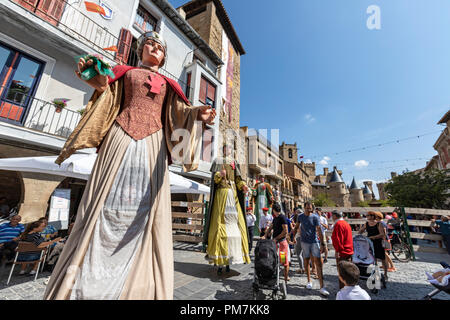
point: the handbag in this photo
(386, 244)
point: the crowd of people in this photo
(39, 233)
(304, 234)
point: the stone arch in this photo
(11, 187)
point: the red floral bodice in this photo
(141, 111)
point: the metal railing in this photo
(39, 115)
(77, 25)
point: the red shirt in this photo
(342, 238)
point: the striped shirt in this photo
(8, 233)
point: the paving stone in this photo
(197, 280)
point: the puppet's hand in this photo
(99, 82)
(207, 115)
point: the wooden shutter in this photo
(203, 85)
(51, 10)
(188, 85)
(124, 46)
(211, 92)
(27, 4)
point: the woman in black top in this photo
(32, 234)
(376, 233)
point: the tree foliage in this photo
(363, 204)
(322, 200)
(429, 189)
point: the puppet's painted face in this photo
(153, 53)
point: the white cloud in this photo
(324, 161)
(308, 161)
(309, 118)
(361, 163)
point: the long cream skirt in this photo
(121, 244)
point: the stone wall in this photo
(37, 189)
(209, 27)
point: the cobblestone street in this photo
(196, 280)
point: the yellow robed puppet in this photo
(226, 228)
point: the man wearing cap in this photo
(121, 243)
(265, 221)
(342, 240)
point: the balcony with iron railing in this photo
(69, 18)
(24, 110)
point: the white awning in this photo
(80, 166)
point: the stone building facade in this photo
(297, 175)
(210, 19)
(47, 35)
(264, 160)
(442, 144)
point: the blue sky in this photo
(316, 72)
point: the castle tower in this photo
(356, 194)
(381, 191)
(289, 152)
(369, 184)
(368, 195)
(310, 169)
(338, 191)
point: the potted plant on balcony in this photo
(82, 111)
(59, 104)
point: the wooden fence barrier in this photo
(411, 222)
(188, 221)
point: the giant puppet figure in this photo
(262, 198)
(121, 244)
(226, 227)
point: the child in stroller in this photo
(267, 269)
(364, 258)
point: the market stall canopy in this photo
(80, 166)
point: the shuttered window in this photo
(49, 10)
(145, 20)
(124, 46)
(188, 85)
(207, 92)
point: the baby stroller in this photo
(364, 258)
(438, 287)
(267, 269)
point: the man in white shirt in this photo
(324, 227)
(265, 221)
(251, 218)
(348, 273)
